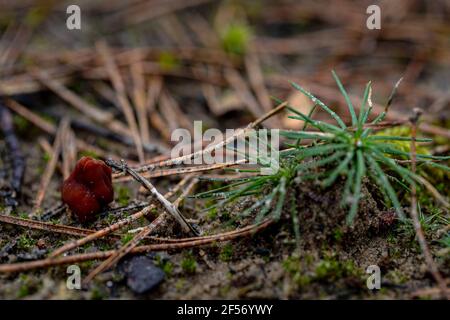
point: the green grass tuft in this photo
(336, 151)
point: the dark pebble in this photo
(143, 275)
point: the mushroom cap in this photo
(88, 188)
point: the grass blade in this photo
(359, 174)
(383, 182)
(399, 138)
(362, 112)
(320, 104)
(339, 169)
(346, 97)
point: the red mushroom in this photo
(88, 188)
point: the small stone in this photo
(143, 275)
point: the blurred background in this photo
(222, 58)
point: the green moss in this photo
(23, 215)
(46, 157)
(235, 38)
(36, 15)
(397, 277)
(224, 290)
(168, 268)
(27, 286)
(97, 294)
(25, 242)
(445, 241)
(293, 266)
(188, 264)
(89, 153)
(338, 234)
(123, 195)
(23, 291)
(391, 237)
(47, 118)
(168, 61)
(225, 216)
(226, 254)
(165, 265)
(126, 238)
(86, 265)
(105, 245)
(405, 146)
(110, 218)
(212, 214)
(20, 123)
(331, 269)
(179, 285)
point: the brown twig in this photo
(51, 165)
(119, 87)
(73, 99)
(169, 207)
(48, 150)
(124, 250)
(45, 226)
(171, 110)
(140, 100)
(210, 148)
(69, 153)
(243, 91)
(256, 80)
(183, 170)
(47, 126)
(414, 215)
(192, 242)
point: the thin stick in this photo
(48, 149)
(161, 199)
(45, 226)
(243, 91)
(168, 114)
(47, 126)
(49, 262)
(70, 97)
(256, 80)
(102, 232)
(69, 153)
(124, 250)
(170, 109)
(153, 91)
(119, 87)
(210, 148)
(169, 172)
(140, 99)
(414, 215)
(51, 165)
